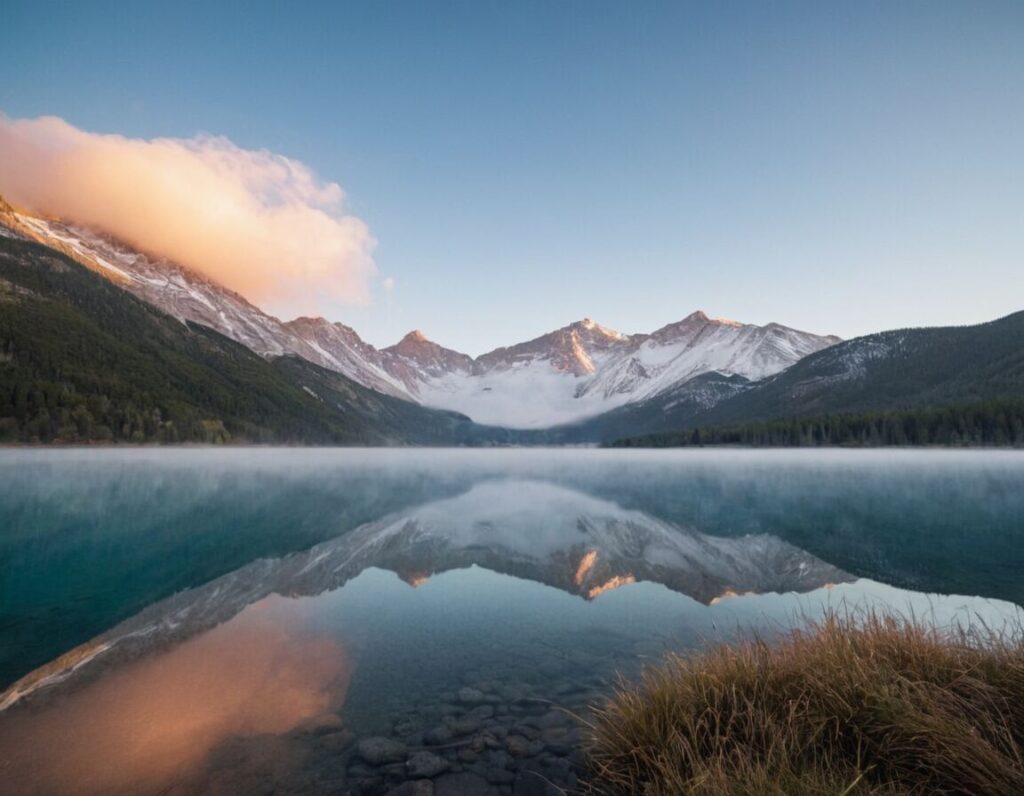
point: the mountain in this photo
(415, 358)
(579, 371)
(585, 370)
(890, 372)
(530, 530)
(82, 360)
(188, 296)
(671, 409)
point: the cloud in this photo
(257, 222)
(389, 283)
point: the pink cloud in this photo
(257, 222)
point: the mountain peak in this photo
(415, 336)
(434, 359)
(589, 325)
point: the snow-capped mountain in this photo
(577, 372)
(585, 369)
(189, 296)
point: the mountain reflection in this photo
(530, 530)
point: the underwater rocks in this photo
(483, 739)
(377, 751)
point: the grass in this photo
(869, 704)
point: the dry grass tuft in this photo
(853, 705)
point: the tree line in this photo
(987, 423)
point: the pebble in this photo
(470, 696)
(481, 712)
(322, 724)
(419, 787)
(426, 764)
(378, 750)
(337, 741)
(438, 736)
(465, 783)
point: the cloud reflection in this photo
(160, 716)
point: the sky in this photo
(489, 171)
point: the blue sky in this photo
(841, 168)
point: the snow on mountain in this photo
(414, 357)
(571, 374)
(585, 369)
(188, 296)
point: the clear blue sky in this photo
(841, 168)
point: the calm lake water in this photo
(344, 621)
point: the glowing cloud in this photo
(259, 223)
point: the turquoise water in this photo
(256, 618)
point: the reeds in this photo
(865, 704)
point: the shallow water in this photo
(243, 621)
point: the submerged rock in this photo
(377, 750)
(470, 696)
(337, 741)
(465, 783)
(419, 787)
(321, 725)
(438, 735)
(426, 764)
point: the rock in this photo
(337, 741)
(532, 781)
(553, 718)
(426, 764)
(407, 725)
(465, 783)
(517, 745)
(419, 787)
(497, 776)
(481, 712)
(321, 725)
(464, 726)
(438, 736)
(378, 750)
(470, 696)
(562, 740)
(524, 729)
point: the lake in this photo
(346, 621)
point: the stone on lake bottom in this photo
(377, 751)
(465, 783)
(322, 724)
(470, 696)
(426, 764)
(419, 787)
(337, 741)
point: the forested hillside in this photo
(993, 423)
(83, 361)
(900, 369)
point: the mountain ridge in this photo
(577, 371)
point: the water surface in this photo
(238, 620)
